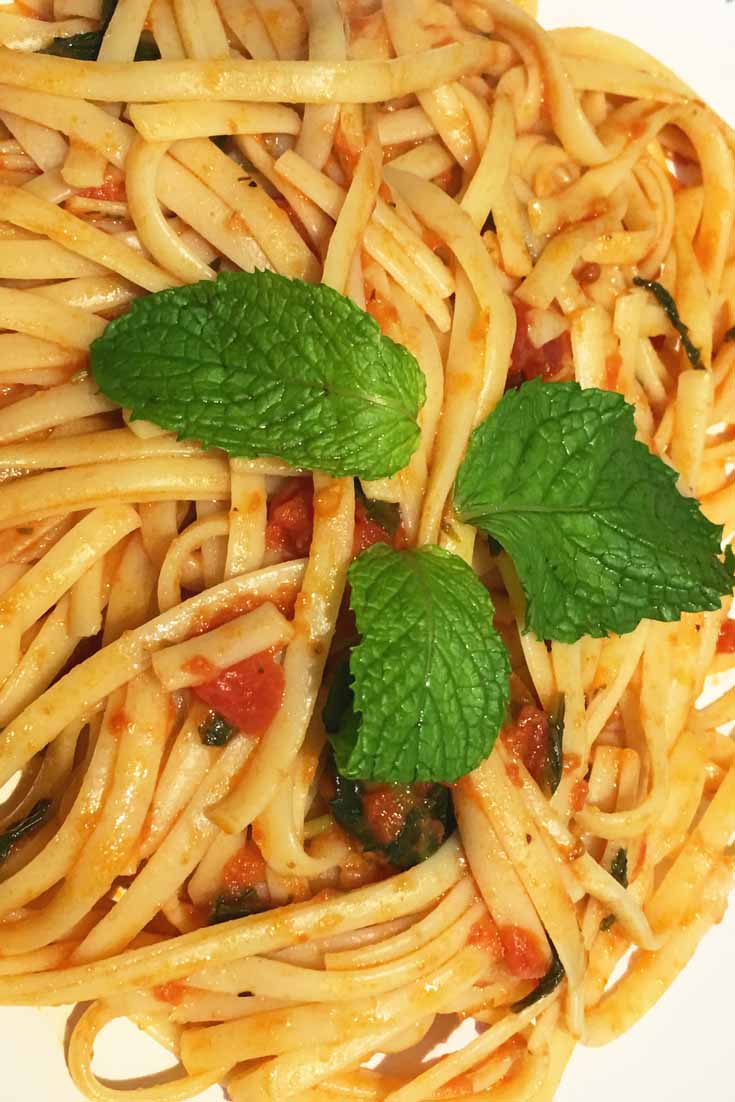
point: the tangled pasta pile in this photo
(509, 205)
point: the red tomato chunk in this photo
(528, 739)
(367, 531)
(524, 957)
(726, 638)
(291, 519)
(526, 360)
(249, 694)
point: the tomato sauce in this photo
(113, 189)
(172, 993)
(613, 366)
(284, 598)
(385, 808)
(524, 957)
(485, 935)
(726, 638)
(249, 694)
(528, 739)
(384, 312)
(199, 666)
(367, 531)
(527, 361)
(244, 870)
(291, 519)
(579, 794)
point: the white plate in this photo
(682, 1050)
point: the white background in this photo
(682, 1052)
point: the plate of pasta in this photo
(367, 664)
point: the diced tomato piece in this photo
(528, 739)
(524, 957)
(172, 992)
(726, 638)
(367, 531)
(385, 808)
(291, 518)
(244, 870)
(527, 361)
(249, 694)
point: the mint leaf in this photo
(596, 528)
(430, 676)
(258, 364)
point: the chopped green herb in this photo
(385, 513)
(619, 867)
(427, 822)
(619, 870)
(554, 758)
(86, 47)
(216, 731)
(258, 364)
(228, 906)
(596, 528)
(545, 986)
(429, 662)
(34, 819)
(339, 698)
(668, 305)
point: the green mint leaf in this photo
(430, 675)
(546, 984)
(258, 364)
(32, 821)
(424, 813)
(239, 905)
(668, 305)
(215, 730)
(596, 528)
